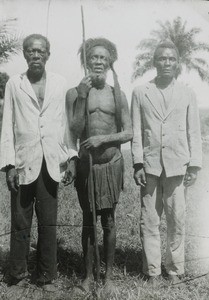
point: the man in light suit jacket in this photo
(166, 151)
(33, 155)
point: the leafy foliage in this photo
(10, 42)
(3, 80)
(185, 41)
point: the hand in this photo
(140, 177)
(70, 173)
(93, 142)
(12, 179)
(84, 87)
(190, 176)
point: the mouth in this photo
(166, 71)
(98, 70)
(35, 64)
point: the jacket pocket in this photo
(181, 127)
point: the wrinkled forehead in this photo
(100, 51)
(167, 52)
(36, 43)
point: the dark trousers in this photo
(41, 195)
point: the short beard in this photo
(98, 80)
(35, 74)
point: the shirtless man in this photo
(109, 127)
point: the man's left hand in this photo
(190, 176)
(93, 142)
(70, 173)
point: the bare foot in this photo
(85, 287)
(109, 286)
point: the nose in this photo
(36, 54)
(99, 60)
(167, 61)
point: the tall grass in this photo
(129, 283)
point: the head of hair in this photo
(101, 42)
(35, 36)
(166, 44)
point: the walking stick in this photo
(91, 180)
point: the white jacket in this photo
(29, 132)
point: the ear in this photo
(48, 55)
(24, 54)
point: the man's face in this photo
(166, 62)
(36, 56)
(98, 65)
(99, 60)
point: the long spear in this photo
(91, 181)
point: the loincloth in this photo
(107, 183)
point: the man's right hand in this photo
(139, 175)
(84, 87)
(12, 180)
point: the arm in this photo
(120, 137)
(194, 141)
(136, 146)
(76, 105)
(7, 147)
(70, 138)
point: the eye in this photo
(29, 51)
(32, 52)
(93, 58)
(161, 59)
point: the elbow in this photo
(128, 135)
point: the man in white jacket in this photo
(33, 155)
(166, 151)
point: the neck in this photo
(35, 77)
(163, 82)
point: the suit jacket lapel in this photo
(50, 85)
(26, 86)
(152, 97)
(176, 96)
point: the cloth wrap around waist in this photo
(107, 182)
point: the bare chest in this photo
(101, 101)
(39, 89)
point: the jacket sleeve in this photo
(70, 135)
(194, 133)
(7, 148)
(136, 145)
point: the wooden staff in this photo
(91, 179)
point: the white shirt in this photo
(30, 132)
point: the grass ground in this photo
(129, 284)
